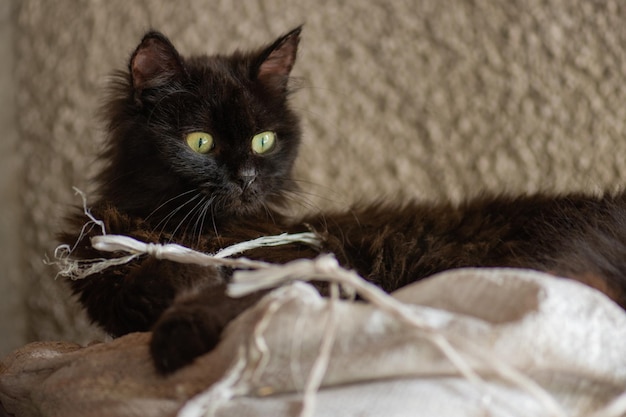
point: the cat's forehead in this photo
(221, 98)
(219, 72)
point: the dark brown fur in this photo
(156, 189)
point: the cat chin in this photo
(243, 206)
(256, 209)
(248, 203)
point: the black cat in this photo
(200, 152)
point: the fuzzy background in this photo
(428, 99)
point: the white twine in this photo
(80, 268)
(307, 238)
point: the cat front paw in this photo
(192, 326)
(182, 334)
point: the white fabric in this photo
(542, 346)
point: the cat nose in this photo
(246, 182)
(246, 177)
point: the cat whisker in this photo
(184, 219)
(190, 216)
(300, 201)
(303, 199)
(153, 212)
(269, 212)
(217, 235)
(175, 210)
(163, 223)
(308, 182)
(312, 194)
(199, 224)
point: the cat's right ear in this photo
(275, 62)
(154, 63)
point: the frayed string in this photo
(79, 269)
(74, 268)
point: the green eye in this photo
(200, 142)
(263, 142)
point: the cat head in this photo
(204, 137)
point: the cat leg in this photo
(128, 297)
(193, 325)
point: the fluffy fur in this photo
(157, 189)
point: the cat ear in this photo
(276, 61)
(155, 62)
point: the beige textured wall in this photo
(430, 99)
(12, 309)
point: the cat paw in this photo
(192, 326)
(181, 335)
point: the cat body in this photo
(200, 153)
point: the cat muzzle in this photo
(246, 181)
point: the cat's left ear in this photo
(154, 63)
(276, 61)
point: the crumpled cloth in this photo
(497, 342)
